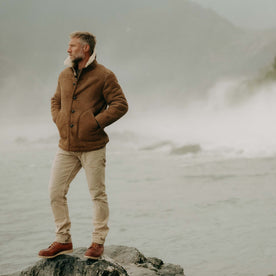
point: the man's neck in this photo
(83, 62)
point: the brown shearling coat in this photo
(84, 105)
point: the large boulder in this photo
(117, 261)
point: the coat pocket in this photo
(61, 124)
(88, 126)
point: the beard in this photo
(77, 58)
(76, 61)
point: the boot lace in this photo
(53, 245)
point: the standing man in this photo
(88, 99)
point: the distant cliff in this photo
(117, 261)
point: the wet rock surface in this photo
(117, 261)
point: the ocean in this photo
(192, 186)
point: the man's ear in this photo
(86, 48)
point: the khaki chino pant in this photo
(65, 167)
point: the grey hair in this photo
(85, 38)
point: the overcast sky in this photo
(257, 14)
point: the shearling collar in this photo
(69, 63)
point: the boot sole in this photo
(60, 253)
(93, 258)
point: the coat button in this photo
(73, 111)
(71, 125)
(74, 83)
(74, 97)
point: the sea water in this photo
(212, 215)
(193, 186)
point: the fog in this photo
(174, 61)
(252, 14)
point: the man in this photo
(88, 98)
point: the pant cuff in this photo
(98, 241)
(61, 239)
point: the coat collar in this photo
(69, 63)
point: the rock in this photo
(73, 265)
(194, 148)
(117, 261)
(136, 263)
(124, 254)
(171, 270)
(155, 262)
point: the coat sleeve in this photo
(56, 103)
(115, 100)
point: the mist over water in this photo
(244, 123)
(229, 119)
(182, 90)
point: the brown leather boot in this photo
(55, 249)
(95, 251)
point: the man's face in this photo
(75, 50)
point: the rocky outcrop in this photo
(117, 261)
